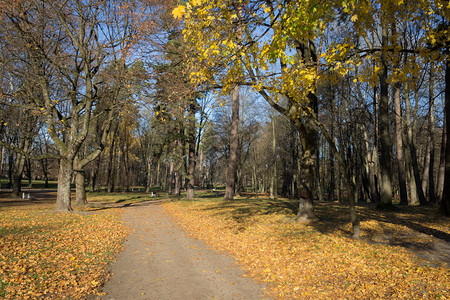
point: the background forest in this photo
(312, 100)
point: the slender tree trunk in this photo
(158, 181)
(431, 190)
(375, 156)
(426, 167)
(383, 129)
(201, 175)
(80, 191)
(317, 177)
(191, 154)
(444, 208)
(110, 170)
(441, 171)
(274, 171)
(332, 185)
(149, 175)
(170, 189)
(399, 145)
(19, 165)
(232, 161)
(63, 199)
(44, 165)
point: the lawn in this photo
(44, 254)
(401, 255)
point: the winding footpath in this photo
(159, 261)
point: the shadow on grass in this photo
(334, 218)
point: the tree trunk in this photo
(110, 171)
(191, 154)
(200, 171)
(383, 129)
(399, 145)
(444, 208)
(149, 175)
(431, 191)
(80, 189)
(332, 185)
(413, 155)
(309, 137)
(441, 171)
(274, 171)
(426, 167)
(177, 183)
(63, 199)
(170, 187)
(317, 177)
(232, 161)
(158, 181)
(19, 165)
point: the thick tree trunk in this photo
(232, 160)
(63, 199)
(309, 138)
(383, 130)
(399, 145)
(80, 188)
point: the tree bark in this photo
(19, 163)
(399, 145)
(332, 185)
(177, 191)
(444, 208)
(149, 175)
(63, 199)
(309, 138)
(232, 160)
(191, 154)
(80, 190)
(274, 171)
(441, 171)
(431, 191)
(317, 177)
(383, 129)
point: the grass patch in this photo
(318, 260)
(36, 184)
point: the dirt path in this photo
(160, 262)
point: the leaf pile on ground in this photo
(318, 260)
(44, 254)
